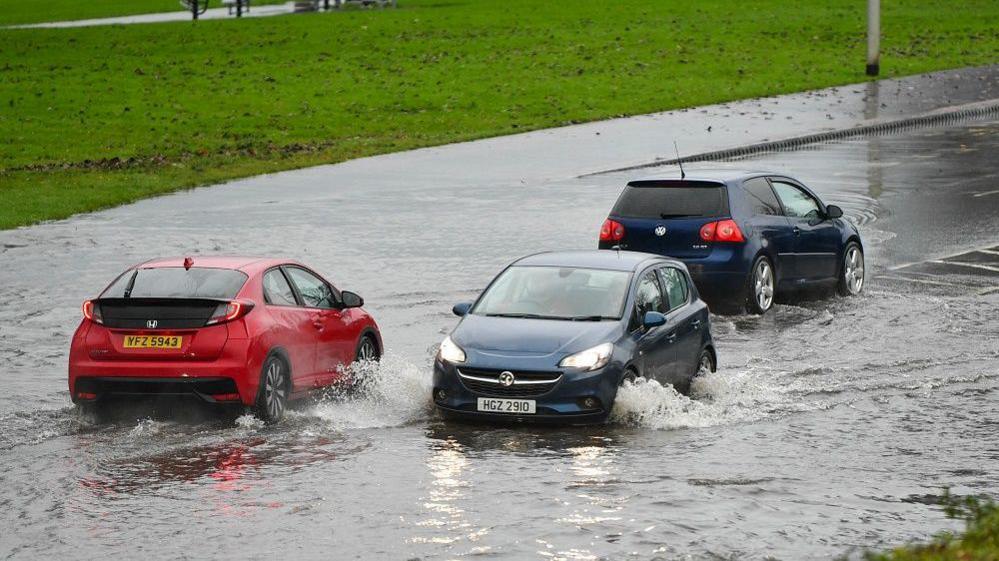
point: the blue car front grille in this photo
(525, 384)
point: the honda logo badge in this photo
(151, 324)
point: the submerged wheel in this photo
(705, 364)
(760, 293)
(367, 350)
(272, 399)
(851, 279)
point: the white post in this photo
(873, 37)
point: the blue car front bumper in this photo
(564, 402)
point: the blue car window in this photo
(676, 287)
(797, 203)
(648, 295)
(277, 291)
(556, 293)
(762, 197)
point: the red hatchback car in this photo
(228, 330)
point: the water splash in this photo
(389, 393)
(716, 399)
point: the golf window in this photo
(762, 197)
(671, 199)
(797, 203)
(177, 282)
(556, 293)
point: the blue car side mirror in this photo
(833, 211)
(461, 310)
(653, 319)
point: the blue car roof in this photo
(609, 259)
(716, 175)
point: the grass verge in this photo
(95, 117)
(978, 542)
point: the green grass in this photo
(186, 104)
(978, 542)
(13, 12)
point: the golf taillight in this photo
(228, 311)
(722, 231)
(611, 231)
(92, 312)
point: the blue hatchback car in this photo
(743, 235)
(554, 335)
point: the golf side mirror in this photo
(461, 310)
(653, 319)
(351, 299)
(833, 211)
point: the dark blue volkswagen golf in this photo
(555, 334)
(744, 236)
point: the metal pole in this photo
(239, 8)
(873, 37)
(194, 9)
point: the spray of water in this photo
(715, 399)
(389, 393)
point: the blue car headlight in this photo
(590, 359)
(449, 351)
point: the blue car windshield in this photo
(561, 293)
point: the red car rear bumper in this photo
(213, 381)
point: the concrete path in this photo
(211, 13)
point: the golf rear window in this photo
(177, 282)
(671, 199)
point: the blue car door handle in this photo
(671, 337)
(797, 231)
(696, 324)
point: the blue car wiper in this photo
(522, 316)
(590, 318)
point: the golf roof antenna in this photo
(679, 162)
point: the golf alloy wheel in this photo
(762, 286)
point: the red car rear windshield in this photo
(177, 282)
(671, 199)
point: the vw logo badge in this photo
(506, 378)
(151, 324)
(660, 230)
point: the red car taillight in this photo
(228, 311)
(611, 231)
(92, 312)
(722, 231)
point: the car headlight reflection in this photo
(590, 359)
(450, 351)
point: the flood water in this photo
(832, 425)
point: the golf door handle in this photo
(671, 337)
(797, 231)
(696, 324)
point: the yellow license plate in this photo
(153, 341)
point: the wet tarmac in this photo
(832, 424)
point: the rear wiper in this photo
(589, 318)
(664, 215)
(131, 284)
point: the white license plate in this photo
(494, 405)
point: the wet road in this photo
(831, 425)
